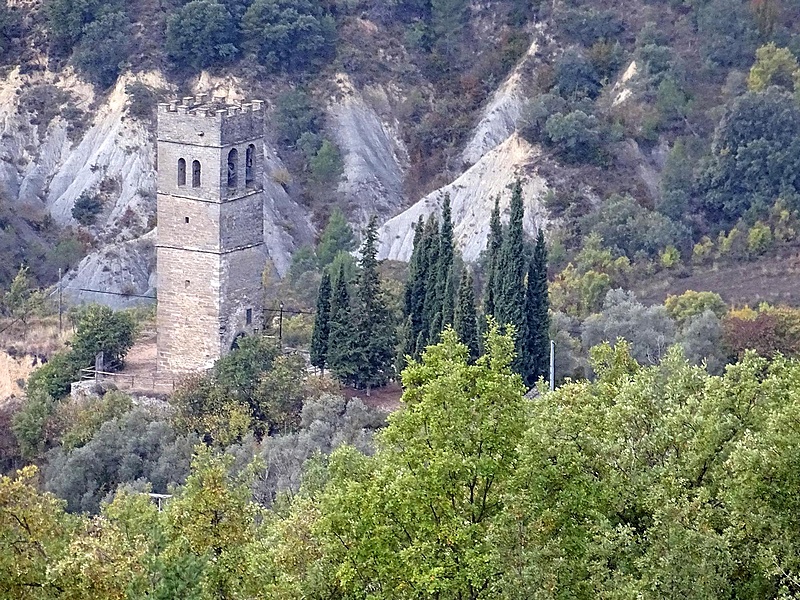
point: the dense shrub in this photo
(755, 157)
(289, 35)
(104, 48)
(575, 76)
(86, 208)
(200, 34)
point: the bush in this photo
(100, 329)
(289, 35)
(141, 101)
(327, 164)
(54, 378)
(691, 304)
(759, 239)
(587, 26)
(576, 136)
(296, 115)
(86, 209)
(104, 48)
(575, 76)
(200, 34)
(67, 18)
(29, 423)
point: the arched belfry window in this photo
(196, 173)
(233, 163)
(250, 164)
(181, 171)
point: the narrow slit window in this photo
(233, 160)
(249, 316)
(185, 219)
(249, 169)
(181, 171)
(196, 173)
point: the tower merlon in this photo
(195, 120)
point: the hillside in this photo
(618, 117)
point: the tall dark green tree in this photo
(322, 326)
(465, 320)
(537, 306)
(444, 267)
(510, 276)
(493, 245)
(372, 323)
(432, 323)
(342, 356)
(336, 237)
(415, 289)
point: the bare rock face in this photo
(122, 273)
(472, 200)
(499, 117)
(375, 158)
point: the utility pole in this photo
(280, 326)
(60, 309)
(552, 365)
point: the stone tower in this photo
(209, 248)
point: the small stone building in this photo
(210, 245)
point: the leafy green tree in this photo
(21, 301)
(576, 136)
(465, 319)
(66, 19)
(575, 76)
(296, 115)
(727, 33)
(199, 34)
(449, 19)
(755, 157)
(100, 56)
(30, 422)
(511, 270)
(319, 338)
(100, 329)
(691, 304)
(336, 237)
(433, 492)
(372, 322)
(281, 391)
(289, 35)
(537, 316)
(773, 66)
(55, 377)
(327, 164)
(34, 532)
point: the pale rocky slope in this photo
(472, 200)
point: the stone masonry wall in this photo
(188, 310)
(240, 283)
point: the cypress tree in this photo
(373, 327)
(444, 276)
(322, 326)
(342, 356)
(537, 306)
(465, 321)
(415, 287)
(493, 245)
(432, 321)
(510, 276)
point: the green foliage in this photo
(586, 25)
(67, 19)
(648, 330)
(755, 157)
(296, 115)
(319, 338)
(103, 50)
(629, 229)
(691, 304)
(86, 208)
(336, 237)
(82, 421)
(575, 76)
(773, 66)
(434, 491)
(536, 353)
(576, 136)
(100, 329)
(759, 238)
(289, 35)
(21, 301)
(54, 378)
(200, 34)
(727, 32)
(327, 164)
(465, 320)
(512, 268)
(494, 243)
(30, 421)
(141, 100)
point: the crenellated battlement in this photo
(210, 122)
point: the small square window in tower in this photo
(249, 316)
(185, 219)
